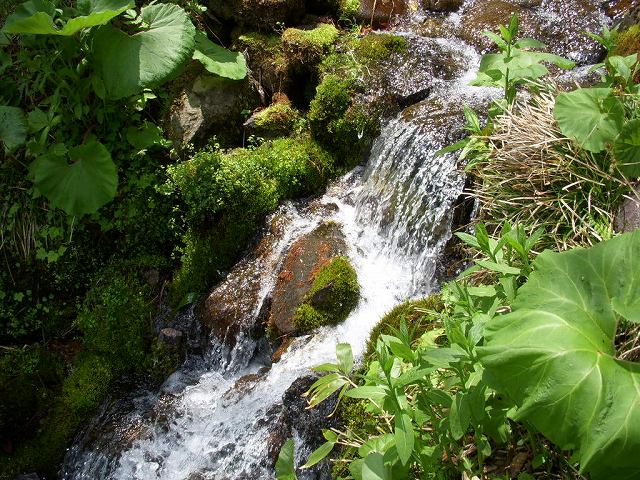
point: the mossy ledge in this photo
(333, 295)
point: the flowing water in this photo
(213, 418)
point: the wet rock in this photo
(442, 5)
(628, 217)
(234, 305)
(381, 12)
(305, 257)
(211, 104)
(562, 26)
(28, 476)
(171, 337)
(243, 386)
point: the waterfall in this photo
(213, 418)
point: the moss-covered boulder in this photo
(629, 43)
(334, 293)
(305, 47)
(304, 259)
(225, 195)
(266, 59)
(277, 120)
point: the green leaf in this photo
(13, 127)
(628, 311)
(626, 149)
(374, 468)
(83, 186)
(319, 454)
(219, 60)
(555, 357)
(368, 392)
(404, 436)
(345, 357)
(285, 468)
(129, 63)
(499, 267)
(591, 116)
(37, 17)
(459, 416)
(146, 137)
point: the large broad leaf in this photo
(627, 149)
(128, 63)
(36, 17)
(79, 187)
(219, 60)
(554, 355)
(13, 127)
(591, 116)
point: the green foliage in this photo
(116, 320)
(219, 60)
(334, 293)
(82, 186)
(516, 63)
(37, 17)
(88, 384)
(285, 468)
(555, 357)
(13, 128)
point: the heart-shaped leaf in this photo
(219, 60)
(554, 355)
(13, 127)
(36, 17)
(128, 63)
(627, 149)
(591, 116)
(79, 187)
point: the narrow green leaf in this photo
(368, 392)
(319, 454)
(459, 416)
(499, 267)
(345, 357)
(405, 437)
(285, 468)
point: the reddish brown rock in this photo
(305, 257)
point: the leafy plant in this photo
(517, 62)
(554, 355)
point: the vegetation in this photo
(527, 353)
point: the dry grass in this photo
(537, 178)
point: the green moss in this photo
(226, 195)
(307, 47)
(629, 43)
(338, 122)
(334, 293)
(276, 120)
(116, 319)
(349, 8)
(88, 384)
(411, 313)
(376, 47)
(266, 56)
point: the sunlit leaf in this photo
(219, 60)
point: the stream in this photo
(214, 418)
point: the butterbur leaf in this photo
(555, 356)
(79, 184)
(219, 60)
(628, 311)
(37, 17)
(626, 149)
(13, 127)
(285, 468)
(374, 468)
(405, 437)
(129, 63)
(146, 137)
(591, 116)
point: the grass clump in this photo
(307, 47)
(226, 194)
(333, 295)
(532, 175)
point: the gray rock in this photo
(628, 217)
(211, 104)
(171, 338)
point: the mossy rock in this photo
(333, 295)
(226, 196)
(277, 120)
(266, 58)
(412, 312)
(306, 47)
(263, 14)
(628, 44)
(376, 47)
